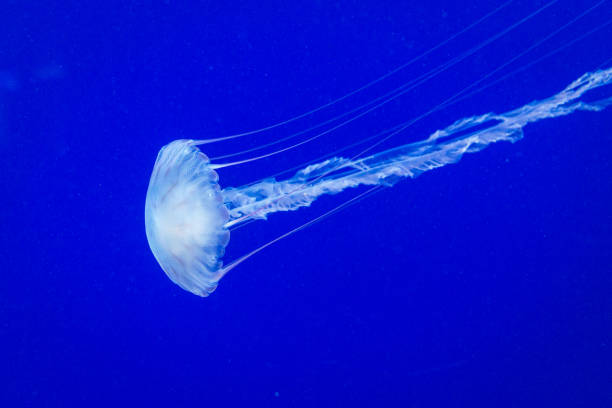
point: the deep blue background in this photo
(485, 283)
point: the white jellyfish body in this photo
(185, 217)
(188, 215)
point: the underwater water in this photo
(482, 283)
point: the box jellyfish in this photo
(189, 216)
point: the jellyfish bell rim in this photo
(185, 217)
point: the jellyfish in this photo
(189, 216)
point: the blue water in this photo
(484, 283)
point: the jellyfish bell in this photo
(185, 217)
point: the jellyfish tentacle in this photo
(459, 96)
(368, 84)
(442, 147)
(394, 94)
(309, 223)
